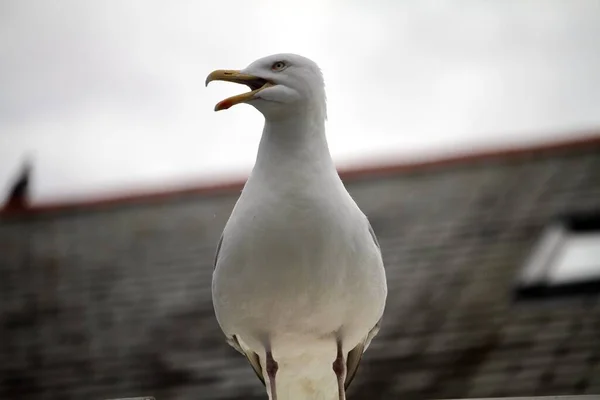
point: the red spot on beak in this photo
(223, 105)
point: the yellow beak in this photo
(255, 84)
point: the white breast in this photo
(309, 278)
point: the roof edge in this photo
(348, 175)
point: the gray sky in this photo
(109, 94)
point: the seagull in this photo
(299, 286)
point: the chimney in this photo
(18, 198)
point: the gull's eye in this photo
(278, 66)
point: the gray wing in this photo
(252, 357)
(218, 251)
(233, 341)
(355, 355)
(371, 231)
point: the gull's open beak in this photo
(255, 84)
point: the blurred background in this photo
(109, 94)
(468, 132)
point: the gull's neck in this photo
(294, 149)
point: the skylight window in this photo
(566, 261)
(578, 259)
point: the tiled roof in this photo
(469, 158)
(116, 303)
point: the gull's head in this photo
(280, 85)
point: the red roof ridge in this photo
(579, 143)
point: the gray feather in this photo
(217, 252)
(252, 357)
(372, 232)
(355, 355)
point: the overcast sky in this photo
(108, 94)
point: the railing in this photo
(135, 398)
(563, 397)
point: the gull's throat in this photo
(295, 149)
